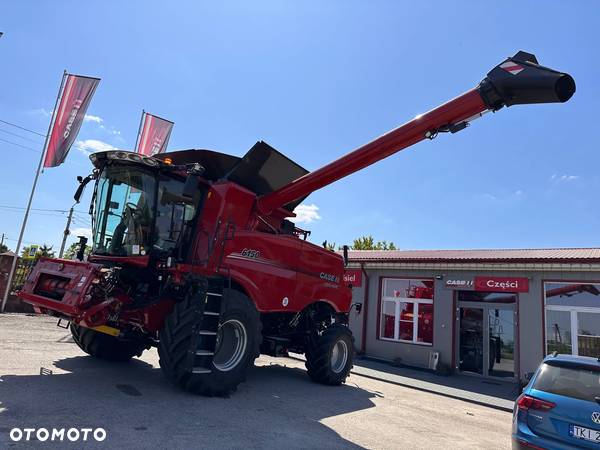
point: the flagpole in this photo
(137, 138)
(35, 180)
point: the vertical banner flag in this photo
(68, 116)
(154, 135)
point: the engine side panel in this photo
(280, 277)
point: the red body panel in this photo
(80, 276)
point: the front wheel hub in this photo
(230, 348)
(339, 356)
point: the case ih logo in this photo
(459, 284)
(329, 277)
(512, 67)
(71, 118)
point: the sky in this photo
(316, 79)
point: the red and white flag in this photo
(68, 116)
(154, 135)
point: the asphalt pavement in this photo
(47, 382)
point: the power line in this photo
(19, 136)
(43, 209)
(22, 146)
(22, 128)
(15, 240)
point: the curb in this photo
(468, 399)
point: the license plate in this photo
(584, 433)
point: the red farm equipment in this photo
(194, 252)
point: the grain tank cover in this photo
(263, 170)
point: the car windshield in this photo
(576, 381)
(124, 211)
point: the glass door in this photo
(470, 340)
(501, 342)
(486, 339)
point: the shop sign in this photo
(353, 277)
(459, 283)
(31, 251)
(501, 284)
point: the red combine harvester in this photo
(194, 252)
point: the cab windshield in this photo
(124, 211)
(138, 211)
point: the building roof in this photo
(541, 255)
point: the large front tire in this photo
(330, 359)
(104, 346)
(240, 335)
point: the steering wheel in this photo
(132, 207)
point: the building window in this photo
(572, 318)
(407, 310)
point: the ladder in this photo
(203, 342)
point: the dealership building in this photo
(492, 313)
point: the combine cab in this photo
(194, 252)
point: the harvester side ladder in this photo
(207, 311)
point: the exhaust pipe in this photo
(520, 80)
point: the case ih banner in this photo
(155, 134)
(68, 116)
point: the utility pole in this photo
(66, 233)
(2, 240)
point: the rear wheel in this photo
(237, 346)
(329, 360)
(104, 346)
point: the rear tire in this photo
(240, 337)
(330, 359)
(104, 346)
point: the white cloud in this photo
(565, 177)
(90, 146)
(306, 213)
(519, 193)
(111, 130)
(41, 112)
(91, 118)
(87, 232)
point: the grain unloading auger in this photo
(519, 80)
(193, 251)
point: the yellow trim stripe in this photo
(107, 330)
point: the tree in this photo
(43, 250)
(330, 246)
(72, 250)
(368, 243)
(3, 248)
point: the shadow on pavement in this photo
(277, 407)
(507, 390)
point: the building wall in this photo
(531, 344)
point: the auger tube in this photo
(517, 80)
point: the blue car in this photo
(560, 406)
